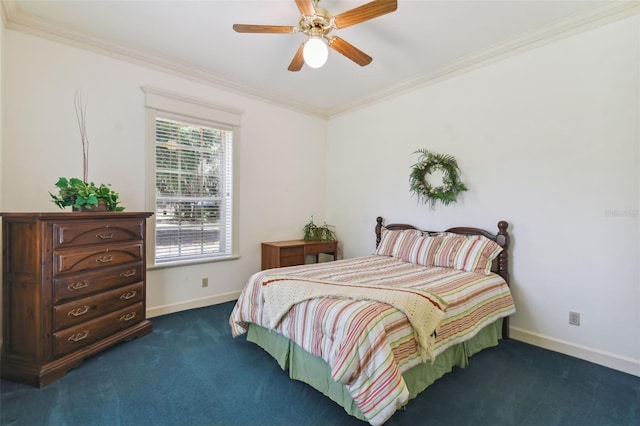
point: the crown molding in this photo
(593, 18)
(14, 18)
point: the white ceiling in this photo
(421, 41)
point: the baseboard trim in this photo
(192, 304)
(607, 359)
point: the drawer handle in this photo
(78, 337)
(127, 317)
(78, 311)
(105, 235)
(78, 285)
(128, 295)
(105, 259)
(128, 273)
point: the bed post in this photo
(378, 230)
(502, 238)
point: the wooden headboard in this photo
(500, 265)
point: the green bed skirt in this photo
(316, 372)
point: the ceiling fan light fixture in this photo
(315, 52)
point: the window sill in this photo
(180, 263)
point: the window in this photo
(191, 155)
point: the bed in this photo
(373, 332)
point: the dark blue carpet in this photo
(190, 371)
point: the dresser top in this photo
(74, 215)
(291, 243)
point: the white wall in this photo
(41, 142)
(547, 140)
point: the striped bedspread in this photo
(369, 344)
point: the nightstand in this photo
(277, 254)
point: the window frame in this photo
(163, 104)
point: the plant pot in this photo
(101, 207)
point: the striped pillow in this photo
(476, 254)
(419, 250)
(445, 255)
(391, 239)
(471, 253)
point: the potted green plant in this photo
(85, 196)
(313, 232)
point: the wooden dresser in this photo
(73, 285)
(276, 254)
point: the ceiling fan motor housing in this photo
(318, 24)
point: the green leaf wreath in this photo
(451, 183)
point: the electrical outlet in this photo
(574, 318)
(205, 282)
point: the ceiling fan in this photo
(317, 23)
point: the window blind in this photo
(193, 190)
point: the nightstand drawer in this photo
(278, 254)
(321, 247)
(290, 256)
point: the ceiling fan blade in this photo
(350, 51)
(306, 7)
(275, 29)
(365, 12)
(298, 61)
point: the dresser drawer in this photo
(74, 338)
(78, 311)
(96, 232)
(81, 259)
(83, 284)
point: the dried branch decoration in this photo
(81, 115)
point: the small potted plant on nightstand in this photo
(313, 232)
